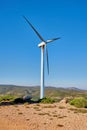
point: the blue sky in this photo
(19, 54)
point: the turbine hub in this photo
(41, 44)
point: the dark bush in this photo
(19, 100)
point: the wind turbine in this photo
(42, 45)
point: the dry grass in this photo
(36, 108)
(44, 114)
(61, 107)
(27, 119)
(60, 125)
(20, 113)
(78, 110)
(49, 106)
(55, 115)
(62, 116)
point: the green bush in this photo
(7, 98)
(46, 100)
(79, 102)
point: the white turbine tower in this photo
(42, 45)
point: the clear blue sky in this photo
(19, 54)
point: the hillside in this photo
(35, 91)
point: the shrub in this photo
(7, 98)
(79, 102)
(47, 100)
(19, 100)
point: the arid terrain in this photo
(57, 116)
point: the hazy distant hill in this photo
(35, 91)
(19, 90)
(74, 88)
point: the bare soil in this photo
(57, 116)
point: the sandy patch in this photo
(57, 116)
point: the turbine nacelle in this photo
(42, 44)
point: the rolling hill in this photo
(34, 91)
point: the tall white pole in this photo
(42, 73)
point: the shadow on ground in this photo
(18, 101)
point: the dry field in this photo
(57, 116)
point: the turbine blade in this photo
(47, 59)
(52, 40)
(33, 28)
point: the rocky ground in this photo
(57, 116)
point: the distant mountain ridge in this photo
(70, 88)
(73, 88)
(34, 91)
